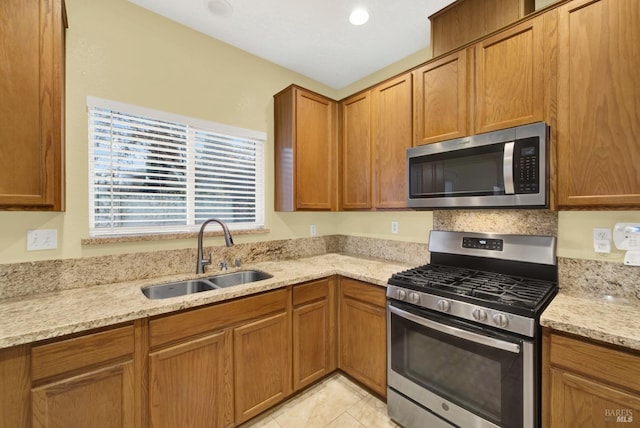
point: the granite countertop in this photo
(45, 316)
(54, 314)
(600, 319)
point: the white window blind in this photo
(154, 172)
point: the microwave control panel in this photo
(527, 165)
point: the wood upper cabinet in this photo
(392, 135)
(314, 331)
(598, 104)
(363, 333)
(306, 151)
(509, 77)
(586, 384)
(87, 381)
(32, 107)
(441, 91)
(466, 20)
(357, 161)
(376, 127)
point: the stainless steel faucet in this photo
(202, 262)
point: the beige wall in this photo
(118, 51)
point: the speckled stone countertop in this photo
(599, 319)
(54, 314)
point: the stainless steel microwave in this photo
(506, 168)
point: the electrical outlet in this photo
(42, 239)
(313, 230)
(602, 240)
(394, 227)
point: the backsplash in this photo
(580, 278)
(523, 222)
(21, 279)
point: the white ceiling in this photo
(312, 37)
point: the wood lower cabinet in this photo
(32, 107)
(306, 151)
(314, 331)
(87, 381)
(220, 365)
(191, 383)
(363, 334)
(598, 104)
(586, 384)
(441, 91)
(509, 77)
(262, 358)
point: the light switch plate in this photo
(42, 239)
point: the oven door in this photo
(464, 373)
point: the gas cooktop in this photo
(476, 285)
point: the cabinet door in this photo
(356, 152)
(598, 104)
(392, 136)
(315, 152)
(363, 335)
(581, 402)
(441, 99)
(262, 357)
(313, 332)
(31, 132)
(101, 398)
(510, 78)
(190, 383)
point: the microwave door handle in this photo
(507, 168)
(457, 332)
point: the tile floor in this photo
(335, 402)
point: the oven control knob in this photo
(479, 314)
(401, 294)
(444, 305)
(500, 320)
(414, 298)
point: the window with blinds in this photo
(155, 172)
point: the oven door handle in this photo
(458, 332)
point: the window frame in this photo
(193, 125)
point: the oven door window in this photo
(484, 380)
(468, 172)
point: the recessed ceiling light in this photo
(220, 7)
(358, 16)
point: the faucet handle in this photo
(237, 262)
(223, 265)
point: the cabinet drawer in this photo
(363, 291)
(612, 366)
(176, 327)
(84, 351)
(310, 291)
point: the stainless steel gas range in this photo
(464, 341)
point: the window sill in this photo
(164, 236)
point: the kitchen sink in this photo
(174, 289)
(237, 278)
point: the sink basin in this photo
(237, 278)
(174, 289)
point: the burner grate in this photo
(486, 286)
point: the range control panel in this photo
(482, 243)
